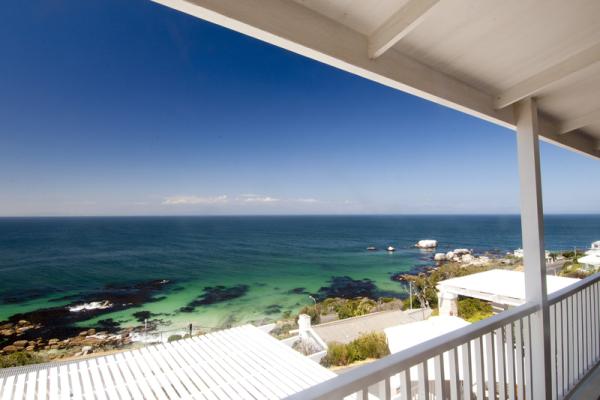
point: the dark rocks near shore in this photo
(216, 294)
(273, 309)
(347, 288)
(60, 322)
(298, 290)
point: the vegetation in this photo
(371, 345)
(20, 358)
(345, 308)
(173, 338)
(282, 331)
(473, 310)
(424, 284)
(313, 311)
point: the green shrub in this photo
(370, 345)
(20, 358)
(173, 338)
(313, 311)
(474, 310)
(354, 308)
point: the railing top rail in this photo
(571, 289)
(379, 370)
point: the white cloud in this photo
(307, 200)
(256, 198)
(183, 200)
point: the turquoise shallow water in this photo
(272, 262)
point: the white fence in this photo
(486, 360)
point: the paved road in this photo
(346, 330)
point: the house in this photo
(529, 66)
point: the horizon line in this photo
(294, 215)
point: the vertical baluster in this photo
(584, 329)
(571, 335)
(594, 312)
(364, 394)
(588, 329)
(500, 367)
(559, 350)
(387, 389)
(423, 380)
(553, 349)
(596, 322)
(405, 389)
(519, 354)
(466, 368)
(438, 362)
(453, 371)
(528, 366)
(490, 358)
(510, 361)
(480, 382)
(580, 351)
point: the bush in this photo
(313, 311)
(173, 338)
(474, 310)
(354, 308)
(20, 358)
(370, 345)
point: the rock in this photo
(9, 349)
(8, 325)
(92, 331)
(30, 348)
(20, 343)
(427, 244)
(23, 322)
(84, 333)
(450, 255)
(439, 257)
(22, 329)
(461, 252)
(7, 332)
(86, 350)
(467, 258)
(53, 341)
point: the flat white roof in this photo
(401, 337)
(237, 363)
(592, 258)
(499, 285)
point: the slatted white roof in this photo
(238, 363)
(477, 56)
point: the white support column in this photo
(532, 227)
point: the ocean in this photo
(220, 271)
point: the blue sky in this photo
(129, 108)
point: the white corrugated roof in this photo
(237, 363)
(499, 285)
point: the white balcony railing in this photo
(488, 359)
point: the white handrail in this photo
(574, 288)
(360, 378)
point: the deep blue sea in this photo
(216, 271)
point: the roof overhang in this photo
(476, 56)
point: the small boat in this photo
(391, 248)
(372, 248)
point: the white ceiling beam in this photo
(532, 85)
(578, 123)
(293, 27)
(398, 26)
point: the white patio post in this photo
(532, 228)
